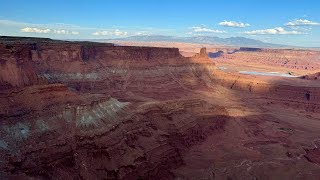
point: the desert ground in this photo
(137, 110)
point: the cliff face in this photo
(92, 110)
(23, 64)
(298, 95)
(110, 139)
(97, 111)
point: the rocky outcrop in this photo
(203, 52)
(202, 55)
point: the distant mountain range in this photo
(232, 41)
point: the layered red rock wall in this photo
(299, 96)
(59, 121)
(23, 64)
(74, 129)
(107, 139)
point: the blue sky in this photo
(284, 22)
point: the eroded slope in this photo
(79, 110)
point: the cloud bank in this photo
(35, 30)
(274, 31)
(302, 22)
(116, 32)
(47, 30)
(206, 30)
(233, 24)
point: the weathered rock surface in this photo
(81, 110)
(59, 117)
(108, 139)
(26, 64)
(295, 93)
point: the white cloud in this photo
(274, 31)
(47, 30)
(116, 32)
(206, 30)
(142, 33)
(234, 24)
(60, 31)
(302, 22)
(65, 32)
(35, 30)
(75, 33)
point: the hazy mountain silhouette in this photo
(232, 41)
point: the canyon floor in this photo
(263, 139)
(83, 110)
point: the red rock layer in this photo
(296, 93)
(23, 64)
(59, 119)
(140, 142)
(93, 111)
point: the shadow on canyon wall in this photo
(116, 118)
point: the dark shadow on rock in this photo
(216, 54)
(143, 113)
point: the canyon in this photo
(297, 61)
(88, 110)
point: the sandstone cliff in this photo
(25, 63)
(86, 110)
(91, 110)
